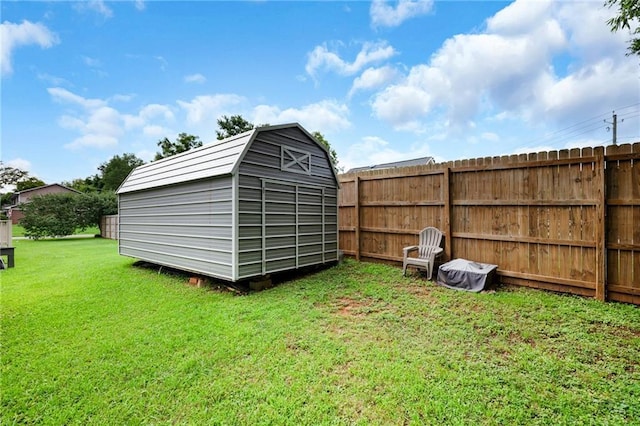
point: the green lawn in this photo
(87, 338)
(18, 231)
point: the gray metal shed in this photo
(253, 204)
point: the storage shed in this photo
(253, 204)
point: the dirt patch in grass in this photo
(348, 307)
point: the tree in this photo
(90, 208)
(10, 175)
(57, 215)
(88, 185)
(29, 183)
(116, 170)
(333, 155)
(183, 143)
(231, 126)
(628, 12)
(51, 215)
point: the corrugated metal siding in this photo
(286, 219)
(187, 226)
(211, 160)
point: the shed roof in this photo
(210, 160)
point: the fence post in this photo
(357, 217)
(601, 210)
(447, 213)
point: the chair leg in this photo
(429, 270)
(404, 269)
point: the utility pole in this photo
(614, 127)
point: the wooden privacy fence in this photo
(109, 227)
(565, 221)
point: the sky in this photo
(382, 81)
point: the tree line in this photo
(55, 215)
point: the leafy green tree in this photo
(29, 183)
(183, 143)
(57, 215)
(231, 126)
(51, 215)
(10, 175)
(333, 155)
(628, 16)
(116, 170)
(90, 208)
(87, 185)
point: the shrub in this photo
(57, 215)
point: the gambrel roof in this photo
(214, 159)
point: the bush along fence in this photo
(566, 221)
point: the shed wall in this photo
(187, 226)
(287, 209)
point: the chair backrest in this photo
(430, 238)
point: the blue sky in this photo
(383, 81)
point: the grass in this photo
(88, 338)
(18, 231)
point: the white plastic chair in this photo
(428, 248)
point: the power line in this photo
(586, 126)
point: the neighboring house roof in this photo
(24, 196)
(44, 187)
(213, 159)
(406, 163)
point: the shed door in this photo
(293, 226)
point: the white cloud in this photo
(93, 140)
(384, 15)
(122, 98)
(57, 81)
(373, 78)
(19, 163)
(402, 105)
(163, 62)
(155, 131)
(140, 5)
(64, 96)
(148, 114)
(490, 136)
(195, 78)
(511, 68)
(325, 116)
(321, 58)
(97, 6)
(91, 62)
(27, 33)
(152, 111)
(208, 108)
(102, 126)
(519, 18)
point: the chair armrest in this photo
(408, 250)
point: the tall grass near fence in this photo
(87, 338)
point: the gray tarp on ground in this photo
(462, 274)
